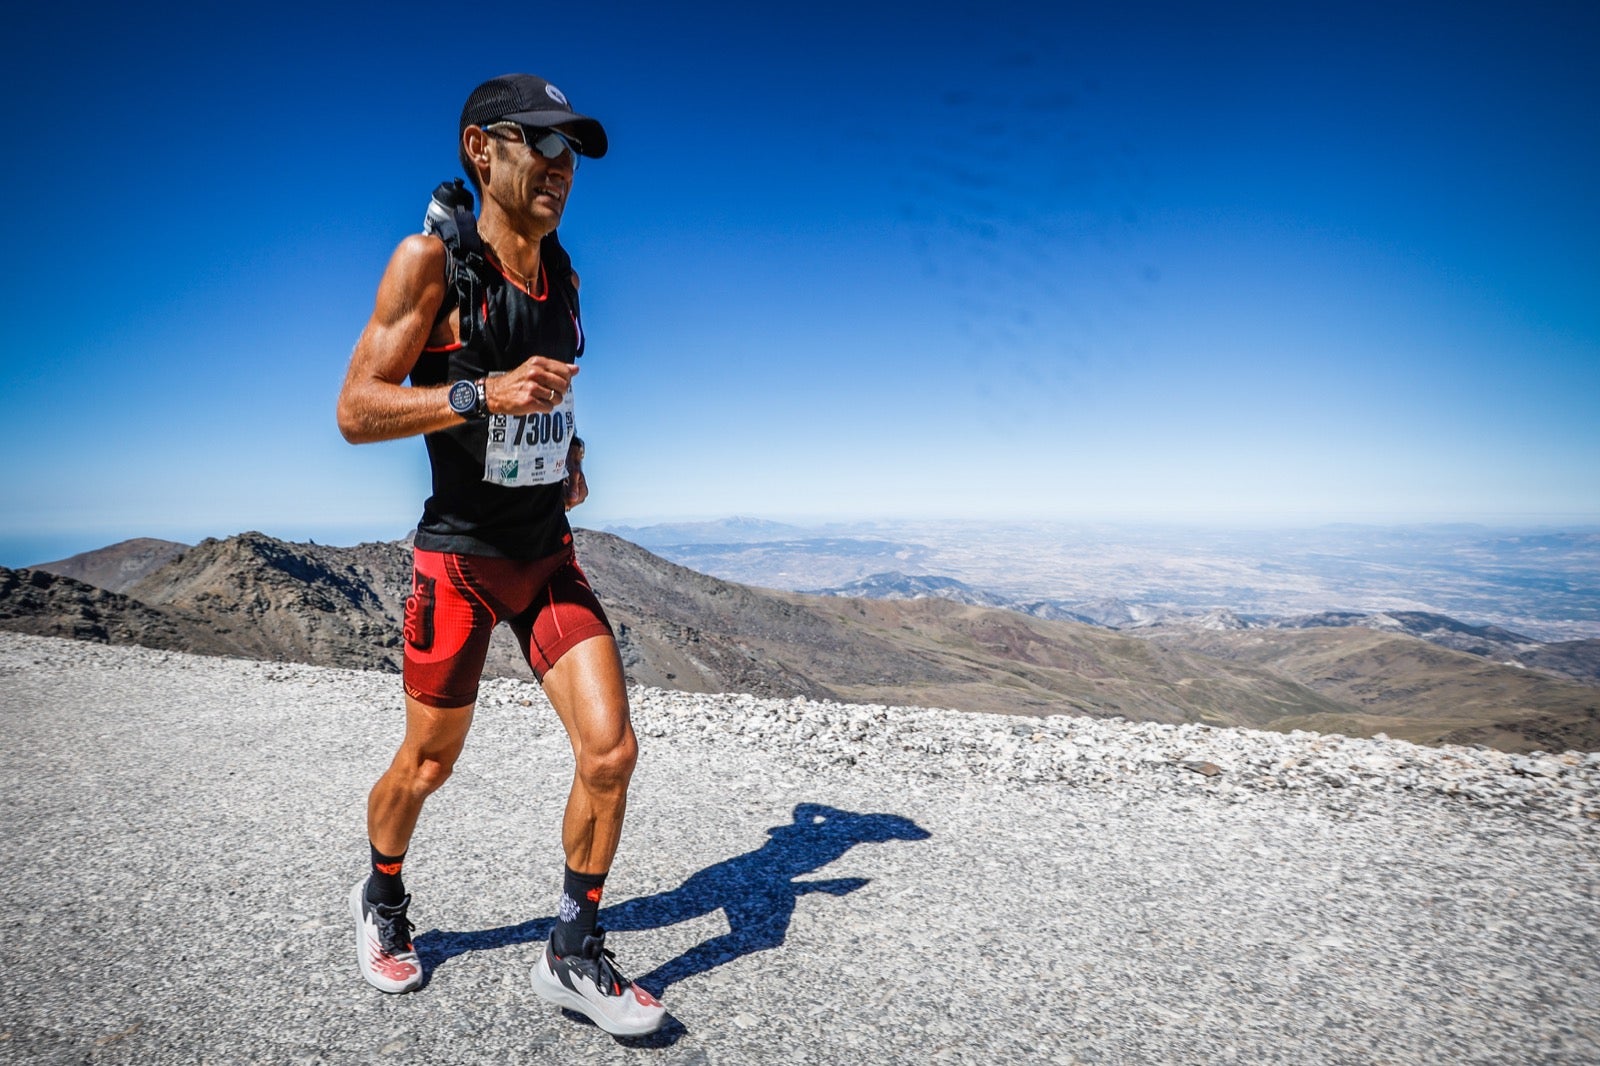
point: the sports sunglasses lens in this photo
(551, 144)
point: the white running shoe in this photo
(589, 983)
(383, 943)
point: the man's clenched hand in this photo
(535, 387)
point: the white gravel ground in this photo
(800, 882)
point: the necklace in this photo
(531, 286)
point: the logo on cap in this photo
(555, 94)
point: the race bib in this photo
(529, 449)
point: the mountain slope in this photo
(301, 602)
(1002, 660)
(256, 596)
(1420, 690)
(49, 605)
(118, 566)
(683, 629)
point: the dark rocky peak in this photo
(50, 605)
(119, 566)
(255, 571)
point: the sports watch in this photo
(468, 399)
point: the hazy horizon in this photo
(21, 550)
(1539, 580)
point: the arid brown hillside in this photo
(299, 602)
(1577, 659)
(256, 596)
(1005, 661)
(117, 566)
(681, 629)
(49, 605)
(1418, 690)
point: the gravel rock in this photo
(1083, 751)
(801, 881)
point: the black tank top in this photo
(467, 515)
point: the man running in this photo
(486, 326)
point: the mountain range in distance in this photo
(1541, 582)
(1578, 659)
(905, 640)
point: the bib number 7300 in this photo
(529, 449)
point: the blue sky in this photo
(1245, 263)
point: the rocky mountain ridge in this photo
(1577, 660)
(258, 597)
(117, 566)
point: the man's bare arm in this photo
(375, 404)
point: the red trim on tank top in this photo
(543, 282)
(451, 347)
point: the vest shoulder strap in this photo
(451, 219)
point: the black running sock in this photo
(580, 910)
(385, 886)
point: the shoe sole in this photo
(548, 987)
(390, 987)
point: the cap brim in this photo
(590, 135)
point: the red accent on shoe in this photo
(393, 968)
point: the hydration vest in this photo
(451, 219)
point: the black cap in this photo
(533, 102)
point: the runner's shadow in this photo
(757, 891)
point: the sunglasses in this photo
(546, 142)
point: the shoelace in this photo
(611, 980)
(394, 928)
(608, 979)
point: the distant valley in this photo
(879, 637)
(1542, 583)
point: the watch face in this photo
(463, 397)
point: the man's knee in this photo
(608, 767)
(435, 737)
(431, 772)
(422, 772)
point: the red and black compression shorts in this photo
(457, 600)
